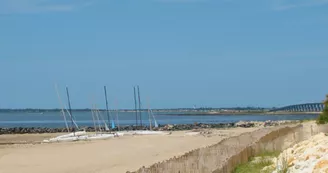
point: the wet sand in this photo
(118, 155)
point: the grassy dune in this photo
(256, 164)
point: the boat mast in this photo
(117, 121)
(93, 118)
(150, 128)
(62, 107)
(135, 105)
(97, 116)
(70, 109)
(107, 112)
(139, 106)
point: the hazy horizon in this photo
(143, 108)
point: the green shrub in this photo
(323, 117)
(263, 159)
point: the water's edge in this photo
(167, 127)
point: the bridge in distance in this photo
(307, 107)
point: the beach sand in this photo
(25, 138)
(118, 155)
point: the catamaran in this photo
(150, 131)
(74, 135)
(81, 135)
(98, 116)
(150, 114)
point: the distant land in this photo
(235, 109)
(178, 111)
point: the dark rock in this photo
(168, 127)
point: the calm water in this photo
(54, 119)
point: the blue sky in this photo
(214, 53)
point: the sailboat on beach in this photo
(82, 135)
(99, 134)
(110, 120)
(74, 135)
(150, 114)
(98, 117)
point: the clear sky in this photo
(214, 53)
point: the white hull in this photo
(100, 136)
(119, 133)
(79, 133)
(68, 138)
(81, 136)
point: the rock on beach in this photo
(168, 127)
(310, 156)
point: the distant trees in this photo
(323, 117)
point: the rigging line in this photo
(93, 113)
(117, 121)
(107, 111)
(135, 105)
(151, 111)
(103, 120)
(70, 109)
(149, 118)
(77, 127)
(140, 113)
(98, 118)
(93, 118)
(61, 105)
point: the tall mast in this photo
(149, 118)
(139, 106)
(117, 121)
(135, 105)
(70, 109)
(107, 112)
(93, 118)
(62, 107)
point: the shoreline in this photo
(166, 127)
(180, 112)
(240, 113)
(7, 139)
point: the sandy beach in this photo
(127, 153)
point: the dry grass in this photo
(256, 164)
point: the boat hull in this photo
(69, 138)
(78, 133)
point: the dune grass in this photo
(256, 164)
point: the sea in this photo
(56, 120)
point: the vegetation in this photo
(323, 117)
(284, 165)
(256, 164)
